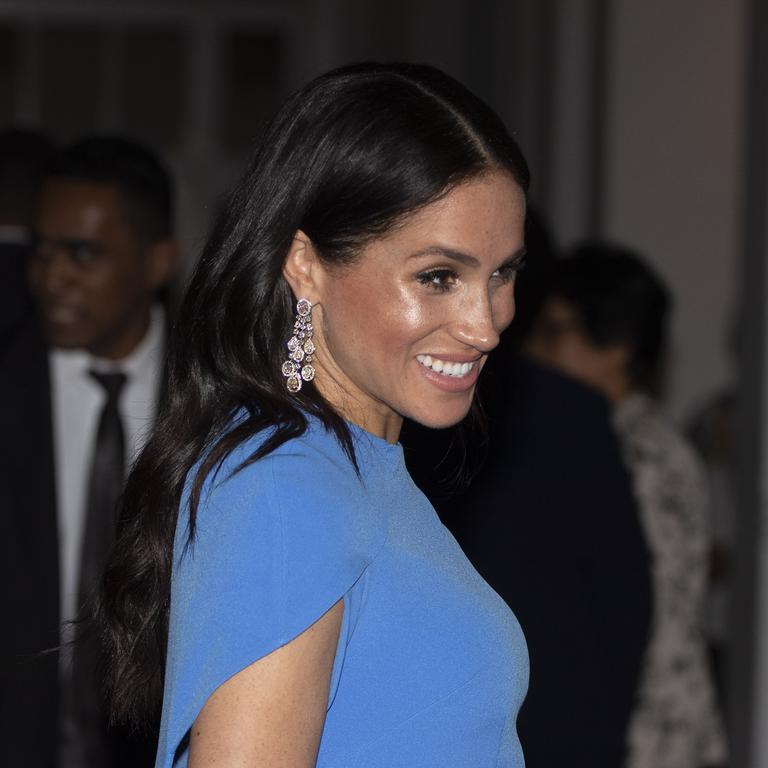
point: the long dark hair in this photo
(345, 159)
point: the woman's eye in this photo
(439, 279)
(507, 272)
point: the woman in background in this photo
(605, 322)
(276, 566)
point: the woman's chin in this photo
(442, 418)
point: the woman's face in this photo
(407, 328)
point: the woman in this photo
(605, 322)
(314, 610)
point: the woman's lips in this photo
(452, 376)
(446, 366)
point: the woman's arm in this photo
(272, 712)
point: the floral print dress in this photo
(676, 723)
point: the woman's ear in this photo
(302, 268)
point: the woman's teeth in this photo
(444, 367)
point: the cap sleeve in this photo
(276, 546)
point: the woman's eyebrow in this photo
(448, 253)
(464, 258)
(517, 258)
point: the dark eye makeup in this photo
(511, 268)
(440, 279)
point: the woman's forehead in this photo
(479, 217)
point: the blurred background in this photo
(644, 121)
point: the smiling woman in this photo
(278, 575)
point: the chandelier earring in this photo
(298, 367)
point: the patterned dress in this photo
(676, 723)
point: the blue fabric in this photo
(431, 666)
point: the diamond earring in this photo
(299, 367)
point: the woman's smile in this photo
(445, 366)
(449, 376)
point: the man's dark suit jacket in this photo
(15, 297)
(29, 562)
(551, 524)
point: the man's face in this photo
(92, 278)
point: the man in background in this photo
(79, 387)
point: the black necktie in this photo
(105, 484)
(83, 705)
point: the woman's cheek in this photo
(413, 311)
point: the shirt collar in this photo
(147, 354)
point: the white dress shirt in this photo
(77, 403)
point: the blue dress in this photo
(431, 666)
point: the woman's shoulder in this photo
(277, 543)
(305, 492)
(313, 461)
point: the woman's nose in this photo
(477, 325)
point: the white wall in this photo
(673, 176)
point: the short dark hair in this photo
(620, 299)
(140, 176)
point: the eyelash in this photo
(437, 279)
(440, 280)
(508, 271)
